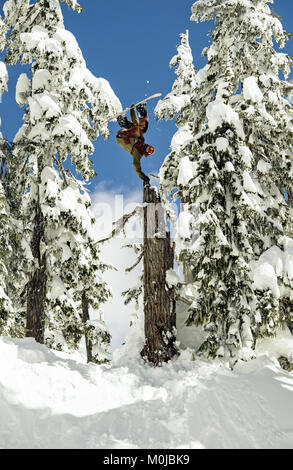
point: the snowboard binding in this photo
(123, 122)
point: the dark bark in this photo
(290, 197)
(159, 305)
(37, 285)
(85, 318)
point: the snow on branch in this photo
(74, 5)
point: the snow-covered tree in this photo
(65, 105)
(179, 97)
(75, 288)
(8, 318)
(231, 168)
(6, 307)
(178, 102)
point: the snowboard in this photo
(122, 113)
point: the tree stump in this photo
(159, 306)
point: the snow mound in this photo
(54, 400)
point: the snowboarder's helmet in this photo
(149, 149)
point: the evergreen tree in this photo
(179, 97)
(6, 308)
(178, 102)
(231, 174)
(8, 319)
(65, 105)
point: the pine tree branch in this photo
(61, 169)
(182, 299)
(127, 270)
(120, 224)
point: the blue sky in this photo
(130, 43)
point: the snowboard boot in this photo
(123, 122)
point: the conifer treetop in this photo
(179, 97)
(3, 70)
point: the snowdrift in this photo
(52, 400)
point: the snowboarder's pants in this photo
(137, 166)
(135, 155)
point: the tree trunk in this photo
(37, 285)
(159, 307)
(85, 318)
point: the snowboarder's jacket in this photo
(132, 140)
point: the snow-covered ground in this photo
(55, 400)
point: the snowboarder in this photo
(132, 140)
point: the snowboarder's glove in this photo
(141, 109)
